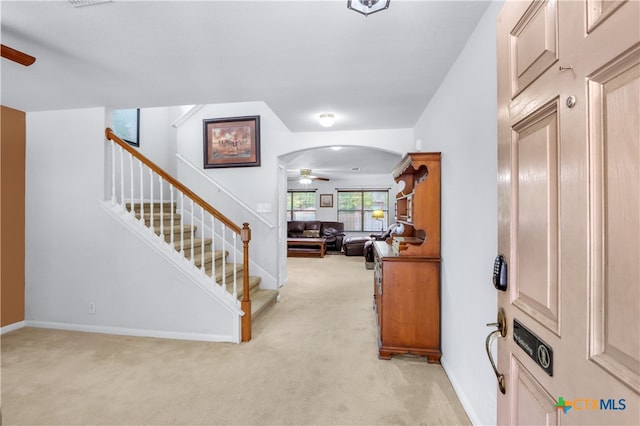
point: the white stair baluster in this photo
(235, 263)
(213, 254)
(191, 233)
(223, 282)
(151, 212)
(131, 202)
(122, 179)
(173, 245)
(182, 223)
(161, 207)
(202, 266)
(113, 174)
(141, 193)
(213, 248)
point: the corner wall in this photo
(461, 122)
(12, 184)
(77, 254)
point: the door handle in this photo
(502, 330)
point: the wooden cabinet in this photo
(407, 268)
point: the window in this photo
(301, 205)
(355, 209)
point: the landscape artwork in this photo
(232, 142)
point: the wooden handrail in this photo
(186, 191)
(244, 232)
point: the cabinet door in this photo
(410, 320)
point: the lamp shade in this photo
(378, 214)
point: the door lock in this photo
(501, 325)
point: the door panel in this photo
(534, 404)
(599, 10)
(569, 210)
(536, 192)
(534, 45)
(615, 331)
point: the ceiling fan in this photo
(16, 56)
(306, 177)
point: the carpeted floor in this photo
(312, 361)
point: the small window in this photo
(356, 210)
(301, 205)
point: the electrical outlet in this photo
(92, 308)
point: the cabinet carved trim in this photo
(418, 204)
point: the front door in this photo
(569, 214)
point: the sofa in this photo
(331, 232)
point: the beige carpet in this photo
(312, 361)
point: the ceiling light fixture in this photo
(327, 120)
(305, 176)
(367, 7)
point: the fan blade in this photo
(16, 56)
(319, 178)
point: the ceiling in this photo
(345, 163)
(301, 58)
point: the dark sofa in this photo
(331, 232)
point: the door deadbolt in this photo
(571, 101)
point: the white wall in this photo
(76, 253)
(253, 185)
(460, 121)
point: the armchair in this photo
(333, 234)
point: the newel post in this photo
(245, 303)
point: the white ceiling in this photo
(301, 58)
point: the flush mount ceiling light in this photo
(327, 120)
(367, 7)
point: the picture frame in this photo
(231, 142)
(326, 200)
(126, 124)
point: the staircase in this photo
(167, 221)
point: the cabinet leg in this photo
(384, 355)
(433, 359)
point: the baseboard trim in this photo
(466, 404)
(135, 332)
(15, 326)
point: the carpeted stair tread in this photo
(167, 229)
(254, 285)
(166, 217)
(197, 242)
(228, 273)
(209, 256)
(166, 207)
(261, 300)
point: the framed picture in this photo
(126, 124)
(232, 142)
(326, 200)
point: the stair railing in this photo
(129, 185)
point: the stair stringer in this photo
(176, 259)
